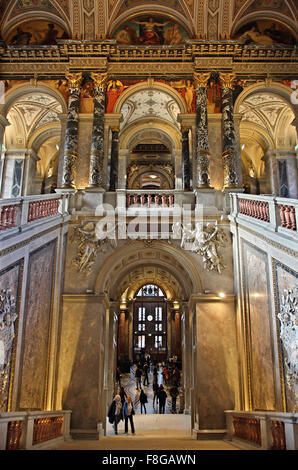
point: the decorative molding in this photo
(151, 68)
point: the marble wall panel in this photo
(10, 279)
(286, 280)
(37, 323)
(79, 367)
(258, 311)
(217, 369)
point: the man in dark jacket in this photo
(174, 392)
(115, 412)
(138, 375)
(162, 397)
(143, 401)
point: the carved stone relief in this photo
(205, 242)
(8, 316)
(90, 242)
(288, 318)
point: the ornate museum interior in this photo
(170, 127)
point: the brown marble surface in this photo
(258, 314)
(36, 329)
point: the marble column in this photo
(202, 141)
(96, 179)
(121, 336)
(186, 170)
(3, 124)
(114, 159)
(178, 335)
(229, 135)
(72, 127)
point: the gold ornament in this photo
(74, 79)
(227, 79)
(99, 79)
(201, 79)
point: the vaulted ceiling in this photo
(92, 19)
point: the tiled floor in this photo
(128, 381)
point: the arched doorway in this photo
(150, 324)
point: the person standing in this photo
(162, 397)
(128, 413)
(138, 375)
(118, 376)
(174, 392)
(155, 373)
(123, 395)
(145, 371)
(155, 392)
(143, 401)
(115, 412)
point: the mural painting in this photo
(151, 31)
(36, 33)
(265, 33)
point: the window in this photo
(158, 326)
(150, 290)
(158, 342)
(141, 341)
(141, 314)
(141, 327)
(158, 313)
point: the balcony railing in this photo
(150, 199)
(263, 429)
(33, 429)
(19, 212)
(275, 213)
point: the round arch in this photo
(170, 131)
(159, 254)
(152, 86)
(283, 91)
(24, 89)
(41, 135)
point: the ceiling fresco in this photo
(35, 33)
(150, 30)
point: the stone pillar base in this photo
(210, 434)
(85, 434)
(93, 188)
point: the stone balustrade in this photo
(16, 213)
(9, 210)
(150, 199)
(33, 429)
(278, 214)
(263, 429)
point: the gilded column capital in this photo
(74, 79)
(201, 79)
(100, 79)
(227, 79)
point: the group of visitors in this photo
(122, 407)
(122, 410)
